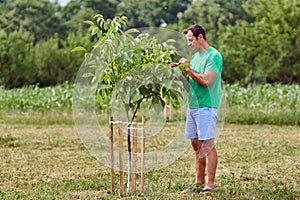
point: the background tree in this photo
(37, 57)
(54, 61)
(74, 23)
(72, 16)
(212, 14)
(76, 11)
(15, 59)
(106, 8)
(258, 39)
(151, 13)
(38, 17)
(266, 50)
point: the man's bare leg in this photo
(212, 161)
(200, 163)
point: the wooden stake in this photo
(112, 173)
(134, 155)
(142, 157)
(121, 158)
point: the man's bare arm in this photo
(205, 79)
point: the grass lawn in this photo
(43, 158)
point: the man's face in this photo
(192, 41)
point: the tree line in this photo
(259, 39)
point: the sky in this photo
(62, 2)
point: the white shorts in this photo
(201, 123)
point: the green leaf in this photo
(95, 30)
(79, 48)
(184, 64)
(88, 75)
(106, 26)
(100, 99)
(135, 96)
(158, 108)
(89, 22)
(132, 30)
(167, 84)
(183, 72)
(101, 23)
(124, 18)
(171, 41)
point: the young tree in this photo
(117, 55)
(130, 71)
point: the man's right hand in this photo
(183, 60)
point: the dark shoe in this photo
(207, 190)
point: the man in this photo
(204, 76)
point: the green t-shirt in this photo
(200, 96)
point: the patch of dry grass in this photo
(40, 161)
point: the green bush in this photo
(47, 63)
(16, 59)
(54, 61)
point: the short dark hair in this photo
(196, 30)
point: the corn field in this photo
(35, 98)
(253, 104)
(265, 97)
